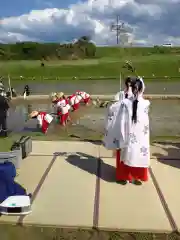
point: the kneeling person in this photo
(44, 119)
(63, 108)
(85, 97)
(74, 101)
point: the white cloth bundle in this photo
(48, 118)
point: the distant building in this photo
(167, 45)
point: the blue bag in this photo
(7, 171)
(8, 187)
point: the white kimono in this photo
(63, 106)
(110, 120)
(133, 138)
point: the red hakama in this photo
(63, 118)
(43, 120)
(86, 100)
(124, 172)
(85, 96)
(63, 111)
(74, 102)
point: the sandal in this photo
(137, 182)
(122, 182)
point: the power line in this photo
(118, 28)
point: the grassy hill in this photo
(116, 52)
(152, 63)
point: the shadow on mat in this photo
(90, 164)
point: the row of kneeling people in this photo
(62, 105)
(127, 132)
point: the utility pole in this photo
(118, 28)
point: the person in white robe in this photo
(132, 136)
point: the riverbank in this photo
(153, 67)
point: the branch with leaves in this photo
(128, 65)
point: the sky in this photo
(146, 22)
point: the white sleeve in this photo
(87, 95)
(143, 85)
(107, 117)
(58, 104)
(121, 95)
(116, 97)
(122, 126)
(39, 119)
(48, 118)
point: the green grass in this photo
(108, 67)
(88, 135)
(13, 232)
(117, 52)
(71, 135)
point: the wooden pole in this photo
(120, 81)
(9, 83)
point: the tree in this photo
(32, 50)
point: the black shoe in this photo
(137, 182)
(122, 182)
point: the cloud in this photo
(147, 22)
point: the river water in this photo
(164, 119)
(95, 86)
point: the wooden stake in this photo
(9, 83)
(120, 80)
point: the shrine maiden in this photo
(132, 136)
(84, 97)
(127, 93)
(62, 108)
(44, 120)
(74, 101)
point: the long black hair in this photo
(128, 83)
(137, 87)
